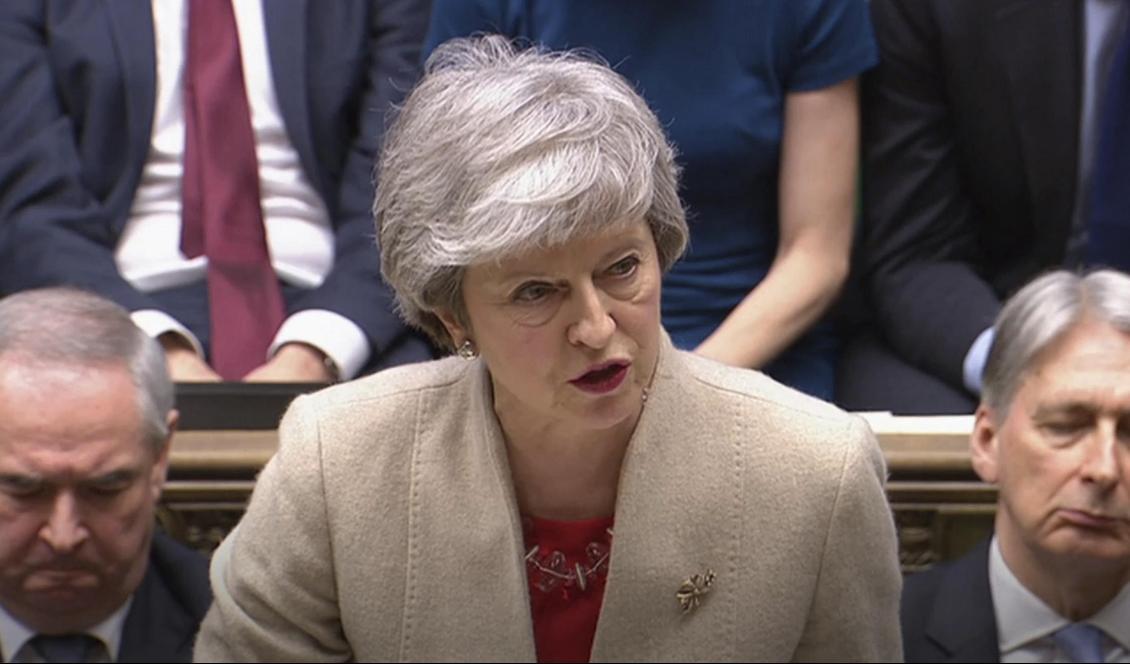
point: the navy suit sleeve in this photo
(920, 245)
(54, 229)
(354, 287)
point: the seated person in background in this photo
(996, 146)
(1053, 433)
(570, 463)
(85, 423)
(760, 101)
(208, 165)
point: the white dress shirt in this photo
(299, 234)
(14, 637)
(1025, 623)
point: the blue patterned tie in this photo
(1108, 218)
(64, 647)
(1080, 642)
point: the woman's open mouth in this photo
(603, 378)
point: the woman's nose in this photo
(593, 325)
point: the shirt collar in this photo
(1022, 617)
(1114, 618)
(14, 635)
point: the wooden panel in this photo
(210, 454)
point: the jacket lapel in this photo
(286, 22)
(132, 28)
(466, 558)
(157, 629)
(962, 622)
(664, 534)
(1038, 43)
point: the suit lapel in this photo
(157, 628)
(132, 28)
(962, 621)
(465, 549)
(664, 534)
(1039, 46)
(286, 23)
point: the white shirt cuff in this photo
(335, 335)
(155, 323)
(975, 359)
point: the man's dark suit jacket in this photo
(78, 82)
(970, 136)
(168, 606)
(947, 612)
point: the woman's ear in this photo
(455, 330)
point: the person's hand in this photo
(185, 366)
(293, 363)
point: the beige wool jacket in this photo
(386, 528)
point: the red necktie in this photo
(221, 217)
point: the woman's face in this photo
(570, 334)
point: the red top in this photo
(565, 606)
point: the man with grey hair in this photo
(86, 416)
(1053, 433)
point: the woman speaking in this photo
(567, 486)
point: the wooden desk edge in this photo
(203, 452)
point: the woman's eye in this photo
(624, 266)
(532, 292)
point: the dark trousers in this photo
(870, 376)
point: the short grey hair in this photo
(499, 150)
(1041, 313)
(65, 326)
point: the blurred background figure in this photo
(208, 166)
(760, 100)
(996, 146)
(85, 424)
(571, 486)
(1053, 433)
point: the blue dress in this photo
(716, 73)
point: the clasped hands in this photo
(293, 363)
